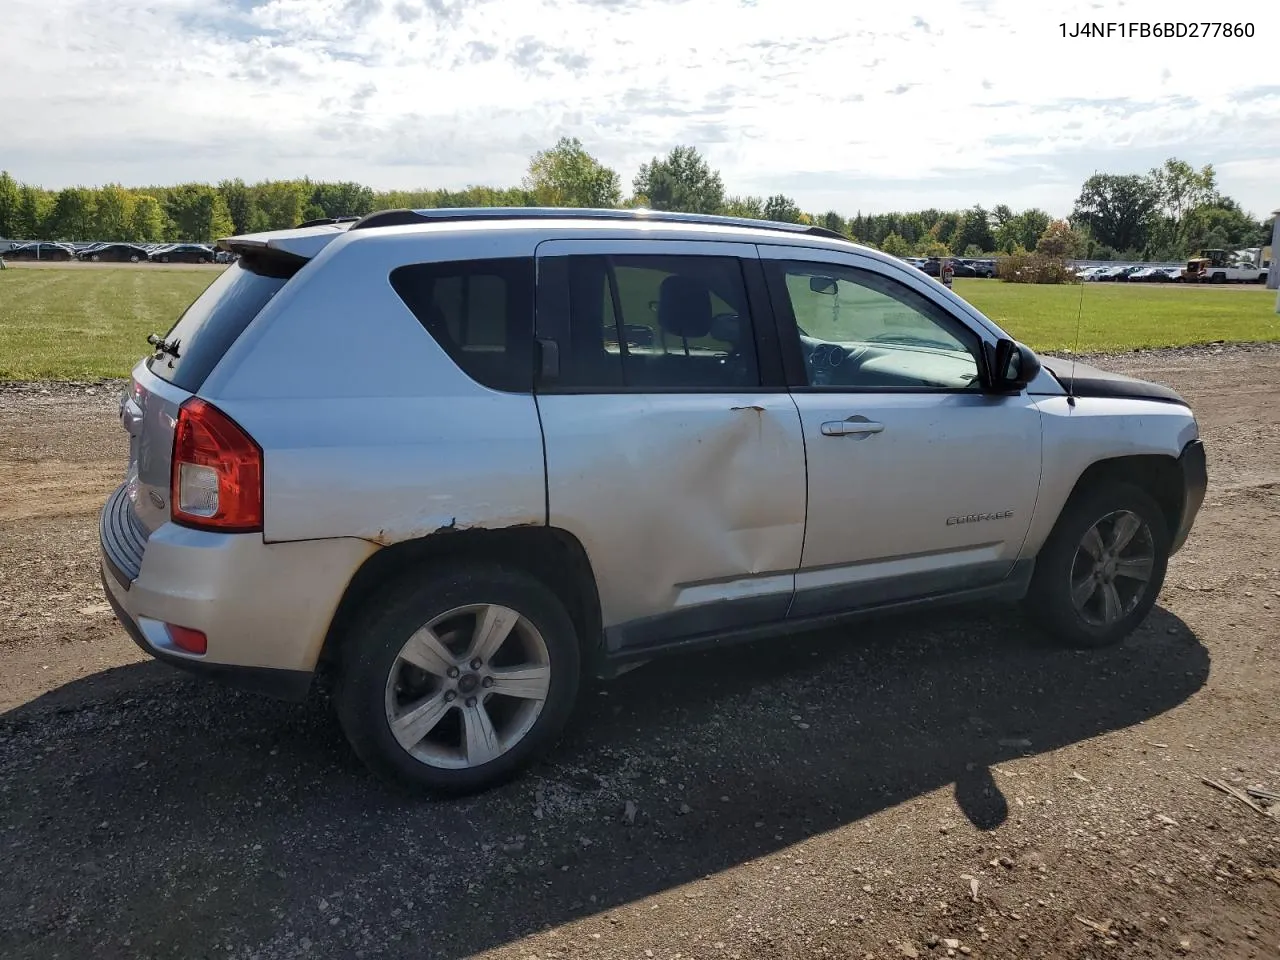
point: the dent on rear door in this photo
(690, 503)
(679, 499)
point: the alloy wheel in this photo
(468, 686)
(1112, 568)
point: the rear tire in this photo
(426, 698)
(1086, 590)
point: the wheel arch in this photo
(1156, 474)
(553, 557)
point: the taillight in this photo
(216, 481)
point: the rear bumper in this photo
(281, 684)
(264, 608)
(1195, 481)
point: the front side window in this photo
(859, 329)
(480, 312)
(658, 322)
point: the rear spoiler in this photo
(298, 245)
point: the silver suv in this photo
(466, 456)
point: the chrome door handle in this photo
(853, 427)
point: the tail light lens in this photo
(216, 482)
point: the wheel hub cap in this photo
(468, 683)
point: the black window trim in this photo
(551, 299)
(775, 268)
(467, 267)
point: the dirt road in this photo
(941, 787)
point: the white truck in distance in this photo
(1217, 266)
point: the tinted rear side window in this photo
(208, 328)
(481, 314)
(659, 322)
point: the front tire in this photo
(1100, 571)
(453, 682)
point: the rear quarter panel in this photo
(368, 428)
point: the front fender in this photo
(1080, 434)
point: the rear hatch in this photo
(184, 357)
(182, 360)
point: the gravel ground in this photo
(933, 787)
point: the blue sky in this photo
(842, 105)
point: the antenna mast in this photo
(1071, 383)
(1075, 349)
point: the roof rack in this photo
(325, 221)
(398, 218)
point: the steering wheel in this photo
(825, 359)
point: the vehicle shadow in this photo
(175, 816)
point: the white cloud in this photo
(839, 104)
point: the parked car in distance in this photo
(223, 256)
(362, 446)
(1112, 274)
(183, 253)
(41, 250)
(114, 253)
(963, 268)
(1147, 275)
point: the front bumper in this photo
(264, 608)
(1195, 481)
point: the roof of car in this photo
(308, 239)
(303, 243)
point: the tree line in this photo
(1164, 214)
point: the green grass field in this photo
(86, 323)
(1124, 316)
(83, 324)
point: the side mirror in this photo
(1012, 366)
(823, 285)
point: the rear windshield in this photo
(208, 327)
